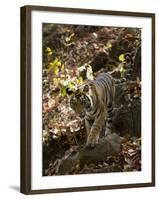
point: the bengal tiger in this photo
(94, 101)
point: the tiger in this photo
(94, 101)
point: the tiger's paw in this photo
(92, 140)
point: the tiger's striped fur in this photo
(94, 100)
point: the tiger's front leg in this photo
(87, 126)
(95, 130)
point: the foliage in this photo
(122, 58)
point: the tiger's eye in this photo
(77, 95)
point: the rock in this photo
(108, 146)
(127, 119)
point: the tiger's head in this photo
(81, 101)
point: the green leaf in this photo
(56, 81)
(55, 61)
(58, 63)
(72, 86)
(62, 68)
(63, 91)
(50, 66)
(108, 45)
(122, 58)
(55, 70)
(54, 66)
(49, 51)
(79, 80)
(122, 70)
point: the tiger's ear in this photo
(86, 88)
(69, 91)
